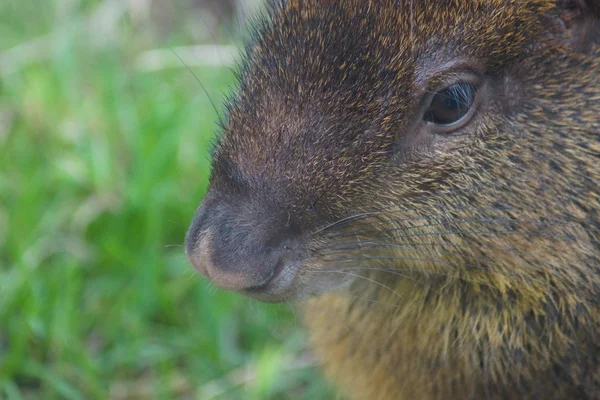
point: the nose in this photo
(241, 249)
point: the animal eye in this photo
(451, 105)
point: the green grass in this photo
(101, 169)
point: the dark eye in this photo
(451, 105)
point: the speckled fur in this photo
(487, 281)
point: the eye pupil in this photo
(451, 104)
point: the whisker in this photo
(442, 221)
(214, 39)
(361, 298)
(452, 253)
(221, 122)
(367, 245)
(343, 220)
(398, 272)
(394, 272)
(423, 197)
(545, 220)
(376, 283)
(461, 233)
(423, 259)
(192, 275)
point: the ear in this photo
(580, 20)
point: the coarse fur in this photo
(431, 264)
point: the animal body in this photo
(423, 178)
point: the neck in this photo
(437, 336)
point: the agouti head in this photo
(419, 138)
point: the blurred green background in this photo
(103, 161)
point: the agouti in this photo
(423, 177)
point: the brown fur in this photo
(466, 265)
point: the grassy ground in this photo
(101, 168)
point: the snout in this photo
(244, 249)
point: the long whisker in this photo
(361, 298)
(375, 282)
(423, 197)
(462, 233)
(399, 272)
(424, 259)
(393, 272)
(452, 253)
(346, 219)
(368, 245)
(446, 220)
(220, 118)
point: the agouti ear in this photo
(580, 22)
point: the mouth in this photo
(277, 286)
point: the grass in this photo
(101, 168)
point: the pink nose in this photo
(228, 279)
(240, 248)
